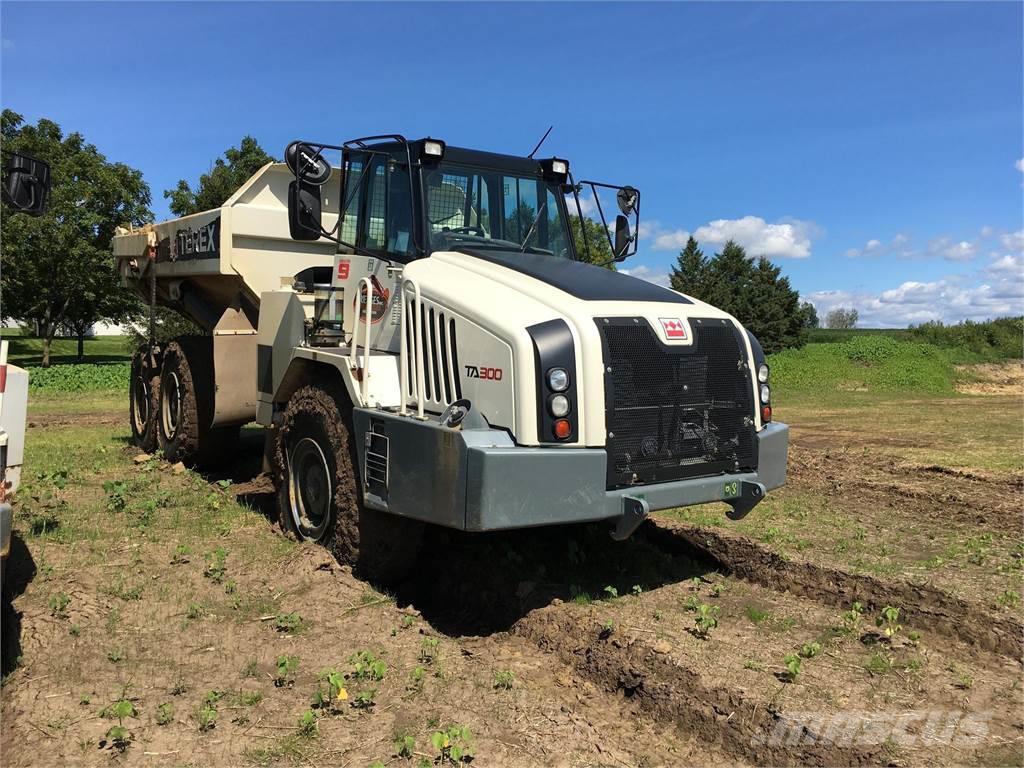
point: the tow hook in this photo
(634, 512)
(750, 495)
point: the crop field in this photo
(158, 617)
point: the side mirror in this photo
(307, 164)
(622, 237)
(26, 183)
(304, 211)
(627, 198)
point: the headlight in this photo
(766, 394)
(559, 406)
(558, 380)
(762, 373)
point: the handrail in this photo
(411, 306)
(364, 378)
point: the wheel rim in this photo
(309, 489)
(140, 404)
(170, 410)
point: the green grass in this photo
(28, 350)
(870, 363)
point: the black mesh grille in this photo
(676, 412)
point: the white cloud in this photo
(1019, 165)
(785, 239)
(658, 277)
(1013, 241)
(670, 241)
(902, 247)
(950, 299)
(962, 251)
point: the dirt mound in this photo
(991, 378)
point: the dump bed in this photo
(211, 261)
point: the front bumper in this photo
(479, 480)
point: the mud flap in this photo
(634, 512)
(748, 496)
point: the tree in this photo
(841, 318)
(223, 180)
(752, 291)
(690, 271)
(600, 252)
(810, 313)
(58, 269)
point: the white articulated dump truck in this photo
(414, 326)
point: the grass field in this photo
(159, 617)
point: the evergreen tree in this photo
(752, 291)
(690, 271)
(221, 182)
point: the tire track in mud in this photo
(675, 695)
(920, 605)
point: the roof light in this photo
(555, 167)
(433, 148)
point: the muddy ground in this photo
(163, 602)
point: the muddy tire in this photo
(143, 402)
(317, 490)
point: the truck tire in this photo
(318, 496)
(185, 407)
(143, 403)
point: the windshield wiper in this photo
(533, 226)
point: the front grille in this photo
(680, 411)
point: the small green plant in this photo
(1008, 599)
(610, 592)
(59, 603)
(504, 679)
(408, 621)
(366, 666)
(330, 690)
(250, 669)
(180, 555)
(364, 699)
(405, 745)
(752, 665)
(119, 737)
(914, 637)
(657, 615)
(165, 714)
(206, 717)
(879, 664)
(453, 744)
(117, 495)
(637, 590)
(194, 611)
(74, 630)
(286, 666)
(964, 681)
(287, 622)
(852, 618)
(757, 615)
(416, 679)
(691, 603)
(810, 650)
(607, 629)
(179, 687)
(706, 619)
(309, 727)
(792, 663)
(116, 655)
(429, 649)
(216, 565)
(889, 621)
(120, 709)
(717, 590)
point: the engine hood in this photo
(579, 279)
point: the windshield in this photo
(481, 208)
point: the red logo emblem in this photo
(343, 267)
(674, 328)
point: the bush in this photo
(993, 340)
(80, 377)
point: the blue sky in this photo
(873, 150)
